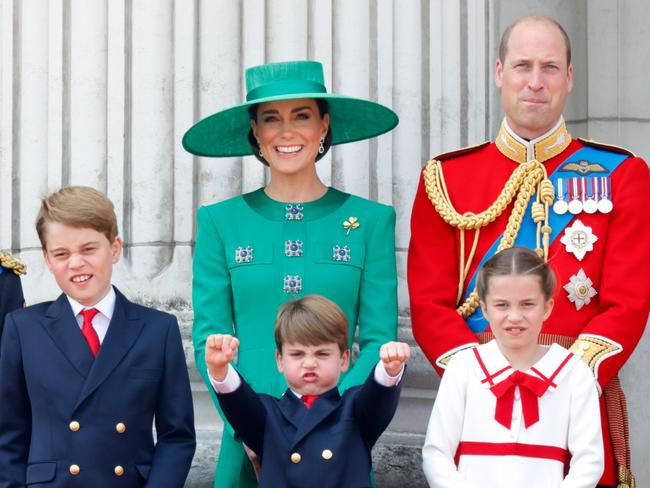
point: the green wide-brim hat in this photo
(226, 133)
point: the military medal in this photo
(580, 289)
(591, 205)
(575, 205)
(560, 207)
(578, 239)
(604, 204)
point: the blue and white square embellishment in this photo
(293, 248)
(292, 284)
(244, 254)
(293, 211)
(341, 253)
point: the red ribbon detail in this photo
(530, 389)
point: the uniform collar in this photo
(542, 148)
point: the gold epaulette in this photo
(607, 147)
(10, 262)
(460, 152)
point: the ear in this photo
(548, 308)
(484, 310)
(254, 127)
(326, 125)
(345, 360)
(569, 75)
(278, 361)
(116, 249)
(46, 257)
(498, 73)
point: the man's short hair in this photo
(77, 206)
(505, 37)
(312, 320)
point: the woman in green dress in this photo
(293, 237)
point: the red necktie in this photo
(308, 400)
(530, 388)
(88, 330)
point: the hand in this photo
(394, 355)
(219, 351)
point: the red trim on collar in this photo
(488, 377)
(555, 373)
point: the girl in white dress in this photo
(511, 412)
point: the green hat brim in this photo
(225, 133)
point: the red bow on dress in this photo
(530, 389)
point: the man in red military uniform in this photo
(579, 203)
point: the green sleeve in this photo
(377, 299)
(211, 292)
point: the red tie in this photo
(308, 400)
(530, 389)
(88, 330)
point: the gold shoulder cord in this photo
(528, 179)
(12, 263)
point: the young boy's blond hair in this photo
(312, 320)
(77, 206)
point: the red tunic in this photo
(618, 265)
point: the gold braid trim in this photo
(10, 262)
(592, 350)
(526, 180)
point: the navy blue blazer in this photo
(68, 420)
(327, 445)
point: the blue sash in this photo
(527, 236)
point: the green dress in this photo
(254, 253)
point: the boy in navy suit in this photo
(311, 435)
(83, 378)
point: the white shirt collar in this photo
(106, 305)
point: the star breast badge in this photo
(580, 289)
(578, 239)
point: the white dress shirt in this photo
(106, 306)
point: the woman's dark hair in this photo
(516, 261)
(323, 109)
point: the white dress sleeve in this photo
(585, 440)
(445, 427)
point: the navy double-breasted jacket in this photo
(327, 445)
(70, 420)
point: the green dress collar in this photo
(271, 209)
